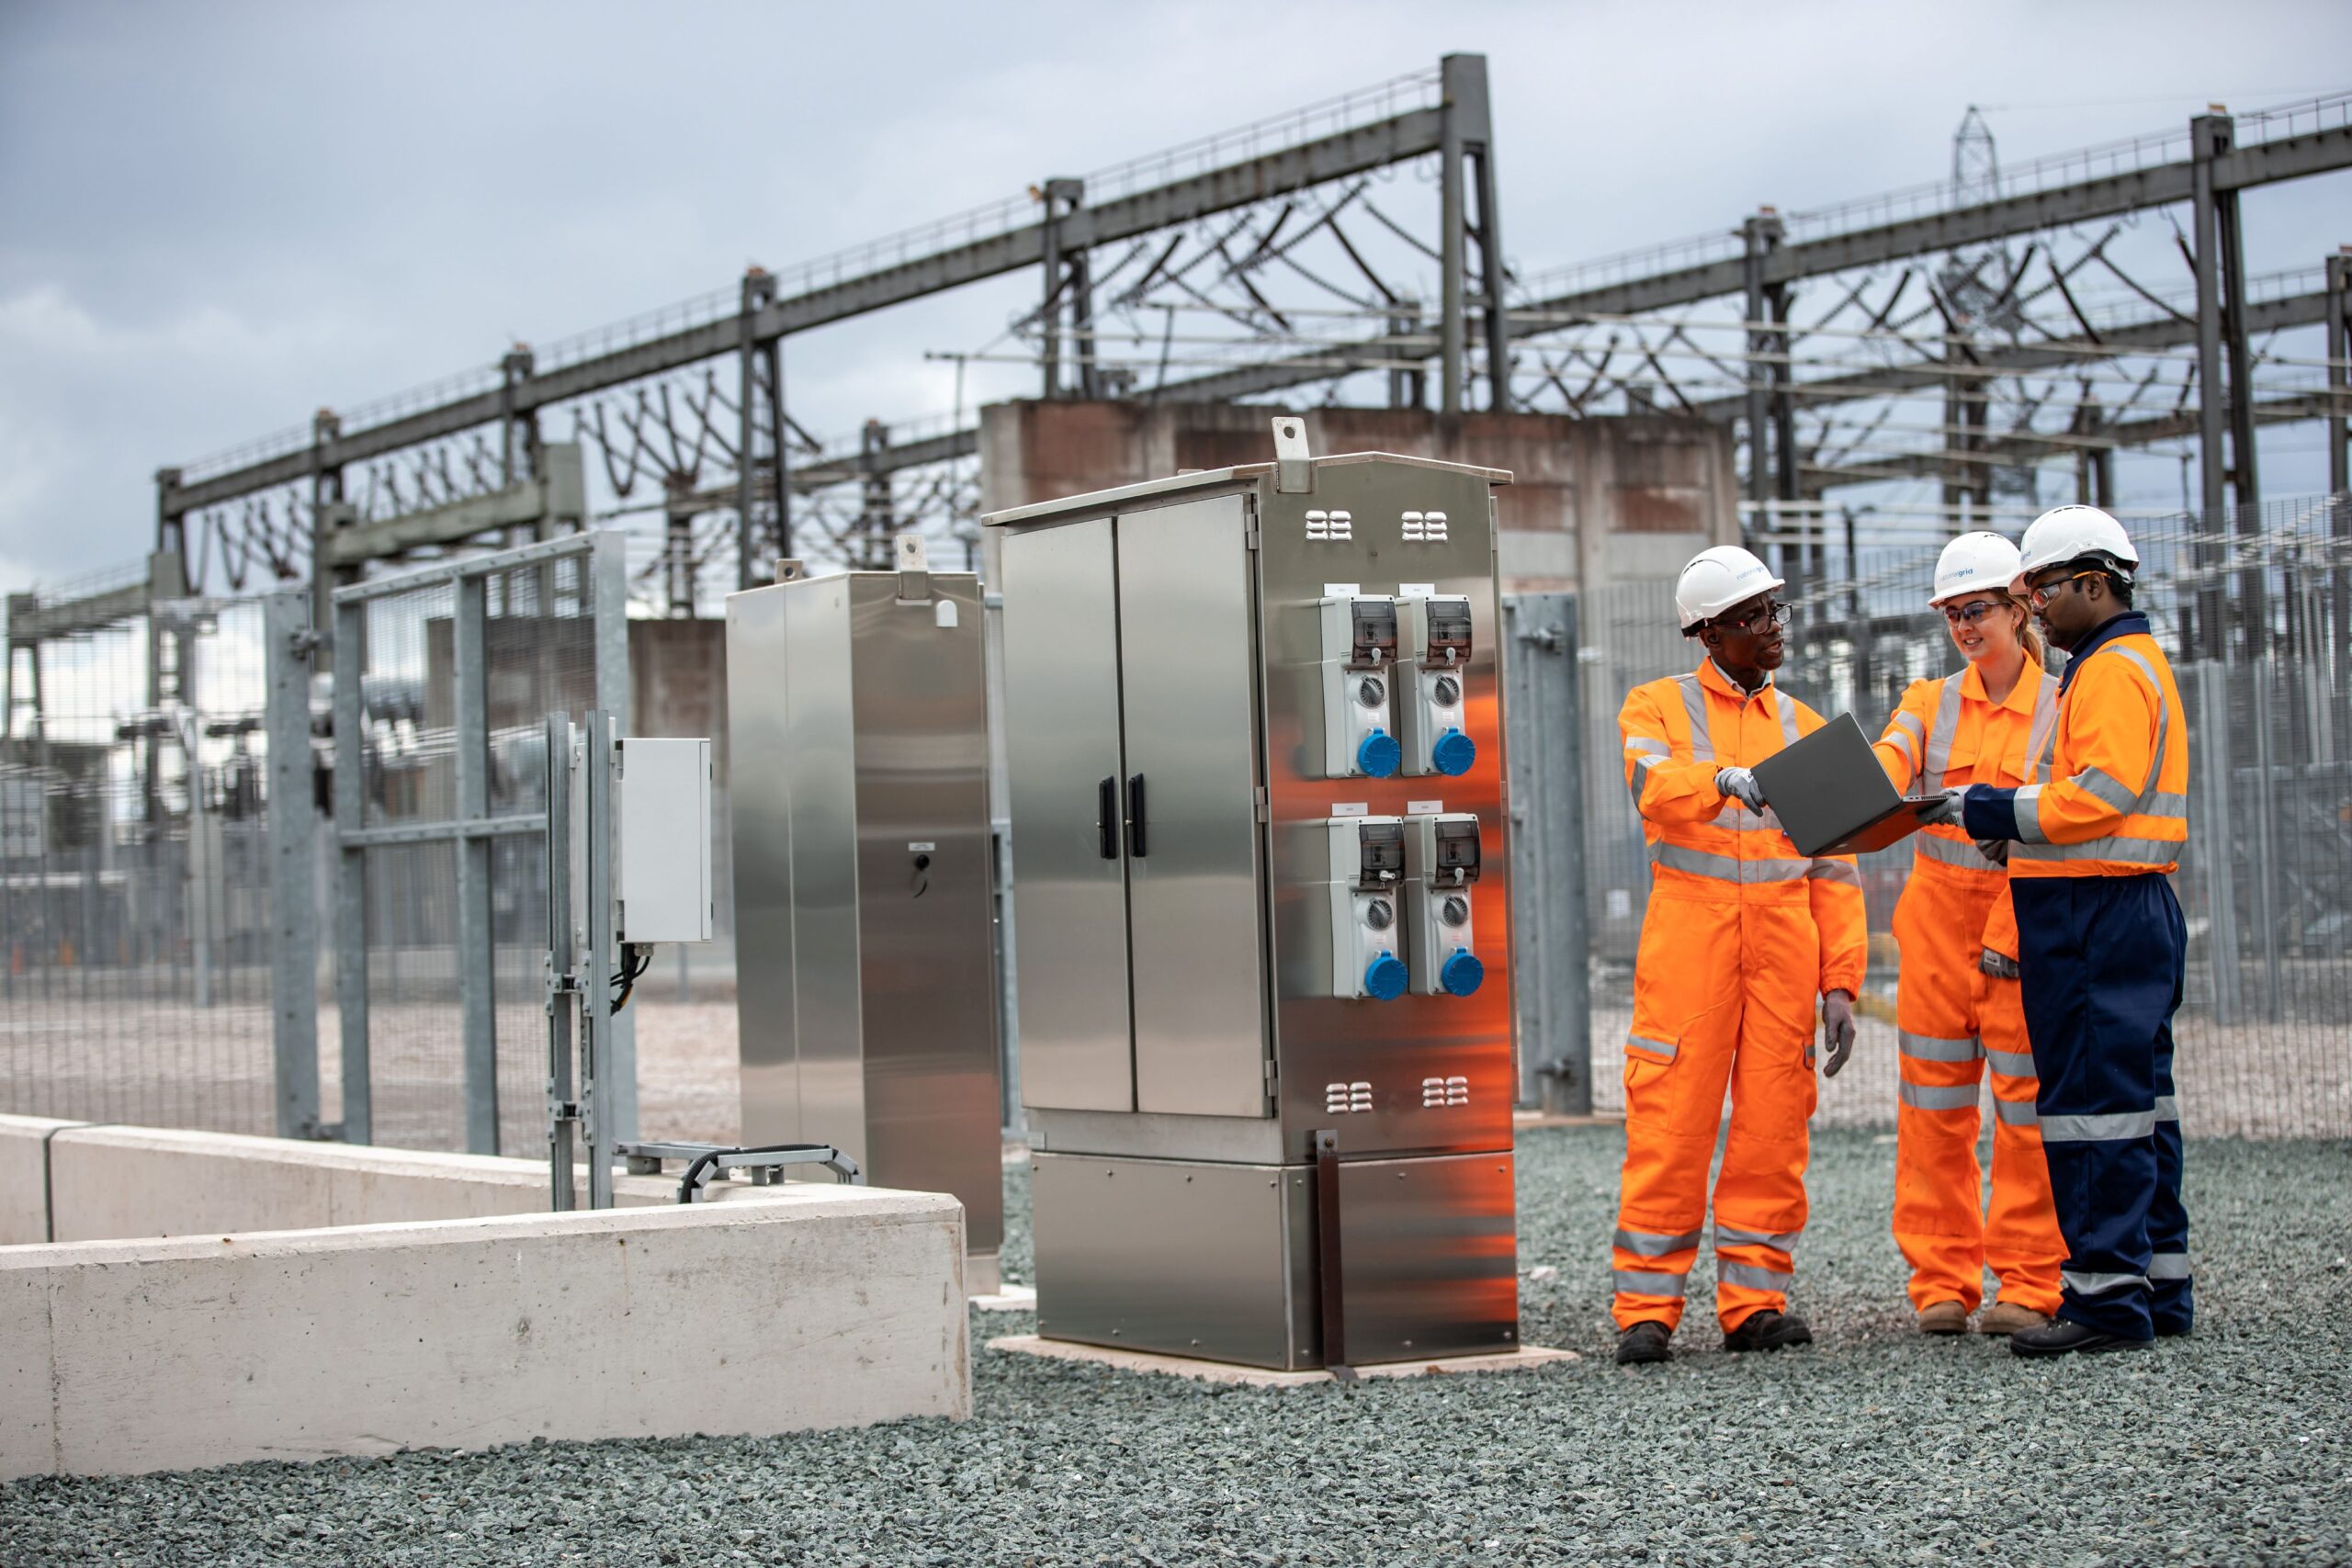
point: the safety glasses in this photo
(1771, 616)
(1968, 614)
(2039, 594)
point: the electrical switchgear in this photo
(1441, 855)
(1433, 661)
(1367, 927)
(1358, 668)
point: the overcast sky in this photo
(215, 218)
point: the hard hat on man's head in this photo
(1716, 580)
(2066, 533)
(1971, 563)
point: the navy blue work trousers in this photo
(2100, 961)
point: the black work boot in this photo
(1767, 1330)
(1645, 1342)
(2062, 1338)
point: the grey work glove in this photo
(1995, 850)
(1739, 784)
(1837, 1031)
(1944, 812)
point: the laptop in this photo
(1832, 796)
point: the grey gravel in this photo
(1875, 1447)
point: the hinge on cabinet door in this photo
(1493, 526)
(1273, 1078)
(1258, 800)
(1248, 523)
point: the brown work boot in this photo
(2003, 1318)
(1943, 1318)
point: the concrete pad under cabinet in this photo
(1520, 1360)
(815, 1306)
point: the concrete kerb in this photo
(816, 1306)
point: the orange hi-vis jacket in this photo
(2115, 802)
(1948, 733)
(1680, 731)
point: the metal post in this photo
(1761, 234)
(2339, 482)
(171, 529)
(351, 870)
(2208, 137)
(2245, 487)
(1469, 122)
(1551, 978)
(293, 863)
(1453, 331)
(874, 521)
(2211, 778)
(326, 515)
(609, 571)
(476, 958)
(678, 547)
(2265, 837)
(1407, 382)
(604, 1074)
(560, 965)
(1057, 191)
(758, 289)
(773, 353)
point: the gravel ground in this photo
(1875, 1447)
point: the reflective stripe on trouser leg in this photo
(1939, 1222)
(2101, 969)
(2022, 1245)
(1686, 997)
(1759, 1199)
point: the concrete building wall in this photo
(1594, 501)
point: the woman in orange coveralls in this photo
(1957, 1004)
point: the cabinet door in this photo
(1188, 662)
(1061, 680)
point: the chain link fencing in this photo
(2255, 613)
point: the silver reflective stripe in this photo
(2116, 1126)
(2028, 804)
(1640, 778)
(2168, 1266)
(2167, 1108)
(1743, 821)
(1936, 1048)
(2016, 1113)
(1788, 716)
(1906, 729)
(2041, 736)
(1647, 1245)
(2163, 723)
(2135, 851)
(1937, 1097)
(2164, 803)
(2099, 1284)
(1695, 703)
(1727, 868)
(1643, 745)
(1947, 706)
(1635, 1281)
(2106, 788)
(1961, 852)
(1663, 1047)
(1749, 1274)
(2011, 1064)
(1732, 1236)
(1827, 870)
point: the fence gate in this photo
(444, 679)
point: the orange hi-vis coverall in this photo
(1954, 1018)
(1741, 938)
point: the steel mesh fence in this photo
(135, 893)
(2253, 611)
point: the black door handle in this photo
(1106, 817)
(1134, 816)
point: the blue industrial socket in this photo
(1384, 978)
(1453, 753)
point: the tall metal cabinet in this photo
(1255, 771)
(858, 723)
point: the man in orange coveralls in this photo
(1741, 935)
(1957, 1002)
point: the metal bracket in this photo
(706, 1162)
(1329, 1281)
(1293, 469)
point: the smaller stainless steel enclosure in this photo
(865, 958)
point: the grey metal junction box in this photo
(865, 993)
(1255, 748)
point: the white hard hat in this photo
(1974, 561)
(1716, 580)
(2066, 533)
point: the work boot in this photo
(1767, 1330)
(2062, 1337)
(1645, 1342)
(1943, 1318)
(2002, 1317)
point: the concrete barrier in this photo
(24, 1165)
(812, 1306)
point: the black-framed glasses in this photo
(1765, 617)
(1968, 614)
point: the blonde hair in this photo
(2035, 649)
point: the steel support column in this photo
(476, 957)
(608, 588)
(1470, 132)
(1453, 330)
(293, 820)
(771, 356)
(350, 651)
(2209, 139)
(1066, 287)
(2245, 487)
(2339, 481)
(1762, 235)
(759, 291)
(1407, 382)
(876, 523)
